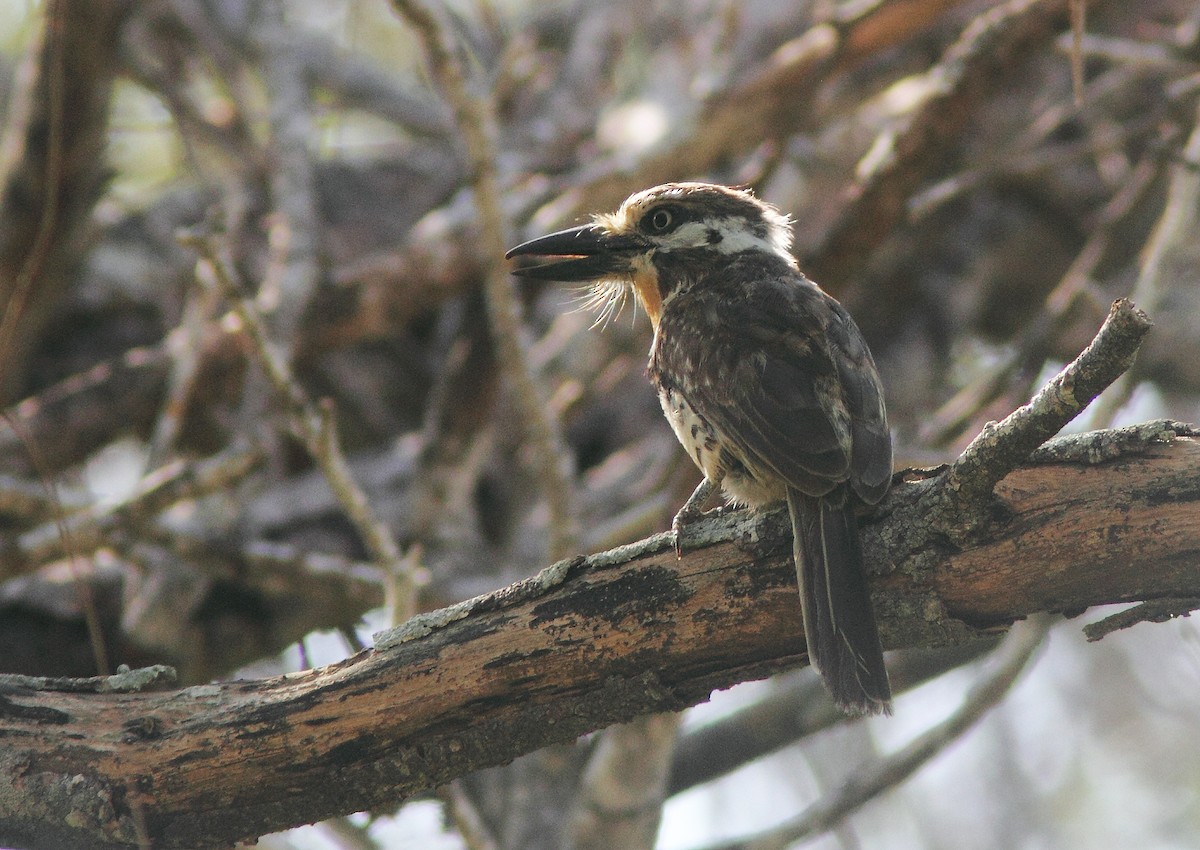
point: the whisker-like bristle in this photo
(605, 298)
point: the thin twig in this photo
(185, 347)
(171, 483)
(314, 425)
(51, 83)
(1125, 51)
(1009, 660)
(1028, 354)
(1001, 447)
(53, 28)
(1153, 611)
(1078, 9)
(474, 116)
(61, 534)
(28, 501)
(798, 707)
(286, 564)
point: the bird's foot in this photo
(690, 512)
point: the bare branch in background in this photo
(477, 124)
(294, 238)
(1000, 447)
(86, 529)
(51, 170)
(795, 710)
(624, 786)
(314, 425)
(1007, 663)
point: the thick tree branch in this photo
(586, 643)
(594, 641)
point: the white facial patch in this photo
(692, 234)
(734, 235)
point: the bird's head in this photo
(658, 242)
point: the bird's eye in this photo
(660, 220)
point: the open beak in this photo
(579, 254)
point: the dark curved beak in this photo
(578, 254)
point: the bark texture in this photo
(1110, 517)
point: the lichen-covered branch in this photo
(1000, 447)
(586, 643)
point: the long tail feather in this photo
(839, 623)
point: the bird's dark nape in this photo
(839, 622)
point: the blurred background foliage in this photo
(973, 205)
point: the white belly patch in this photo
(693, 432)
(738, 481)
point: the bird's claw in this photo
(691, 512)
(685, 518)
(677, 533)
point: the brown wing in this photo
(795, 389)
(871, 453)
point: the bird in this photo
(767, 382)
